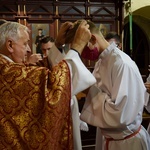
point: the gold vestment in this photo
(35, 107)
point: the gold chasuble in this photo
(35, 107)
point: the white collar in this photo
(6, 58)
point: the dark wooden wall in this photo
(55, 12)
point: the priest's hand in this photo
(34, 58)
(82, 37)
(60, 40)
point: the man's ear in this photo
(9, 45)
(93, 39)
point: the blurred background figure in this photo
(37, 41)
(113, 37)
(46, 44)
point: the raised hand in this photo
(82, 37)
(60, 40)
(34, 58)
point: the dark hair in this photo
(113, 35)
(2, 21)
(46, 39)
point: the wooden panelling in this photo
(107, 14)
(108, 11)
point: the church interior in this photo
(129, 18)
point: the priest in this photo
(35, 99)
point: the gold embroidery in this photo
(35, 114)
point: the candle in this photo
(24, 9)
(18, 9)
(25, 22)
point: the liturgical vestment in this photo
(35, 106)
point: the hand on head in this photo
(60, 40)
(79, 37)
(82, 36)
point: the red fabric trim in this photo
(127, 137)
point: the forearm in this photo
(81, 76)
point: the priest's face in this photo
(20, 47)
